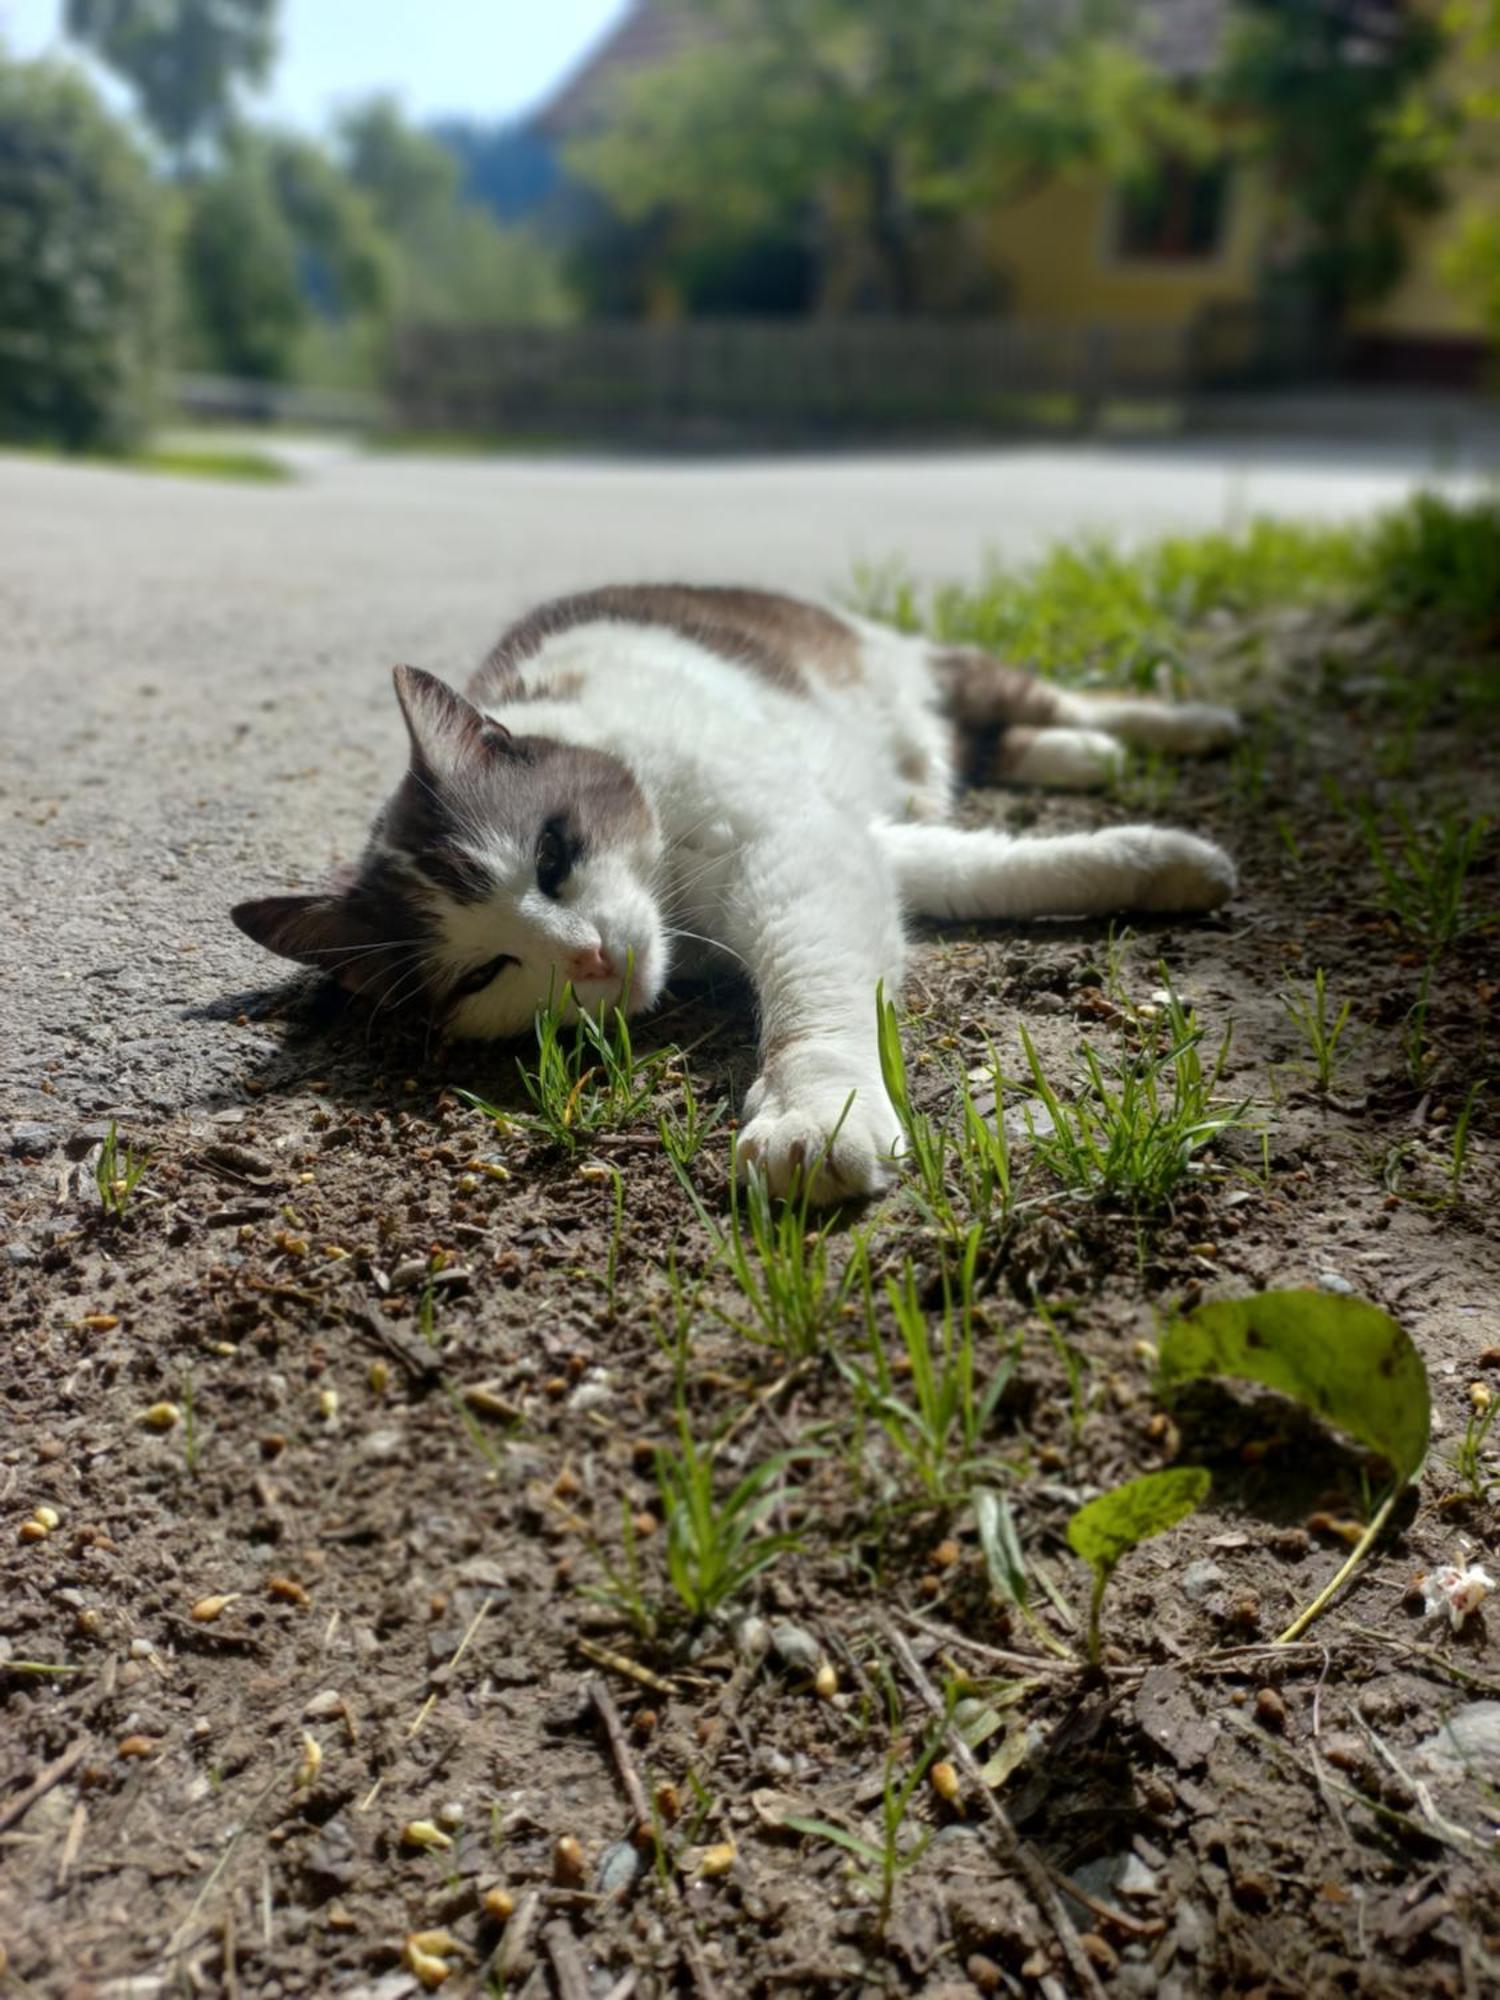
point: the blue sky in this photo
(484, 58)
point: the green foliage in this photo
(117, 1174)
(1105, 1530)
(183, 58)
(1123, 618)
(240, 270)
(1424, 874)
(1138, 1129)
(884, 120)
(938, 1411)
(1321, 1030)
(1435, 556)
(82, 266)
(715, 1547)
(784, 1270)
(960, 1179)
(452, 262)
(588, 1077)
(1319, 115)
(277, 241)
(883, 1865)
(1345, 1360)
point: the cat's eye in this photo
(554, 858)
(480, 977)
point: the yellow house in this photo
(1193, 257)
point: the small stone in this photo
(1330, 1281)
(1201, 1579)
(752, 1637)
(620, 1867)
(31, 1140)
(796, 1648)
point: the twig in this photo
(1029, 1663)
(510, 1953)
(1146, 1927)
(609, 1715)
(463, 1645)
(572, 1980)
(635, 1793)
(1357, 1555)
(42, 1783)
(1015, 1853)
(1441, 1660)
(77, 1826)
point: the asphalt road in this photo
(195, 680)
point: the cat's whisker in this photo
(717, 944)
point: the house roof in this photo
(1183, 37)
(647, 36)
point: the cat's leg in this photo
(948, 872)
(1019, 729)
(814, 913)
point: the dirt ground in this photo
(404, 1472)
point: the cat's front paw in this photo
(1179, 874)
(836, 1147)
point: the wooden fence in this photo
(806, 378)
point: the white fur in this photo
(783, 841)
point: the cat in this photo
(651, 779)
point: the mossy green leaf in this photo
(1345, 1360)
(1109, 1527)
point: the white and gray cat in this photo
(658, 778)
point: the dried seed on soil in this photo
(207, 1609)
(568, 1864)
(426, 1834)
(161, 1416)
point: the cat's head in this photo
(502, 869)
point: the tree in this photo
(278, 239)
(239, 261)
(183, 58)
(1319, 88)
(452, 260)
(408, 176)
(82, 268)
(863, 126)
(1450, 124)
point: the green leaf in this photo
(1002, 1548)
(1344, 1359)
(823, 1830)
(1109, 1527)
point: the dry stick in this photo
(1026, 1662)
(1356, 1556)
(77, 1826)
(1015, 1852)
(463, 1645)
(1439, 1660)
(572, 1980)
(635, 1793)
(614, 1729)
(54, 1773)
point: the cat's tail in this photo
(1020, 729)
(954, 874)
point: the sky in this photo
(479, 58)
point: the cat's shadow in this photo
(330, 1045)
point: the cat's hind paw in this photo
(835, 1147)
(1179, 874)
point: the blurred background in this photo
(742, 222)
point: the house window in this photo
(1177, 217)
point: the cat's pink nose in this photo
(595, 963)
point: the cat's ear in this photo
(320, 931)
(446, 731)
